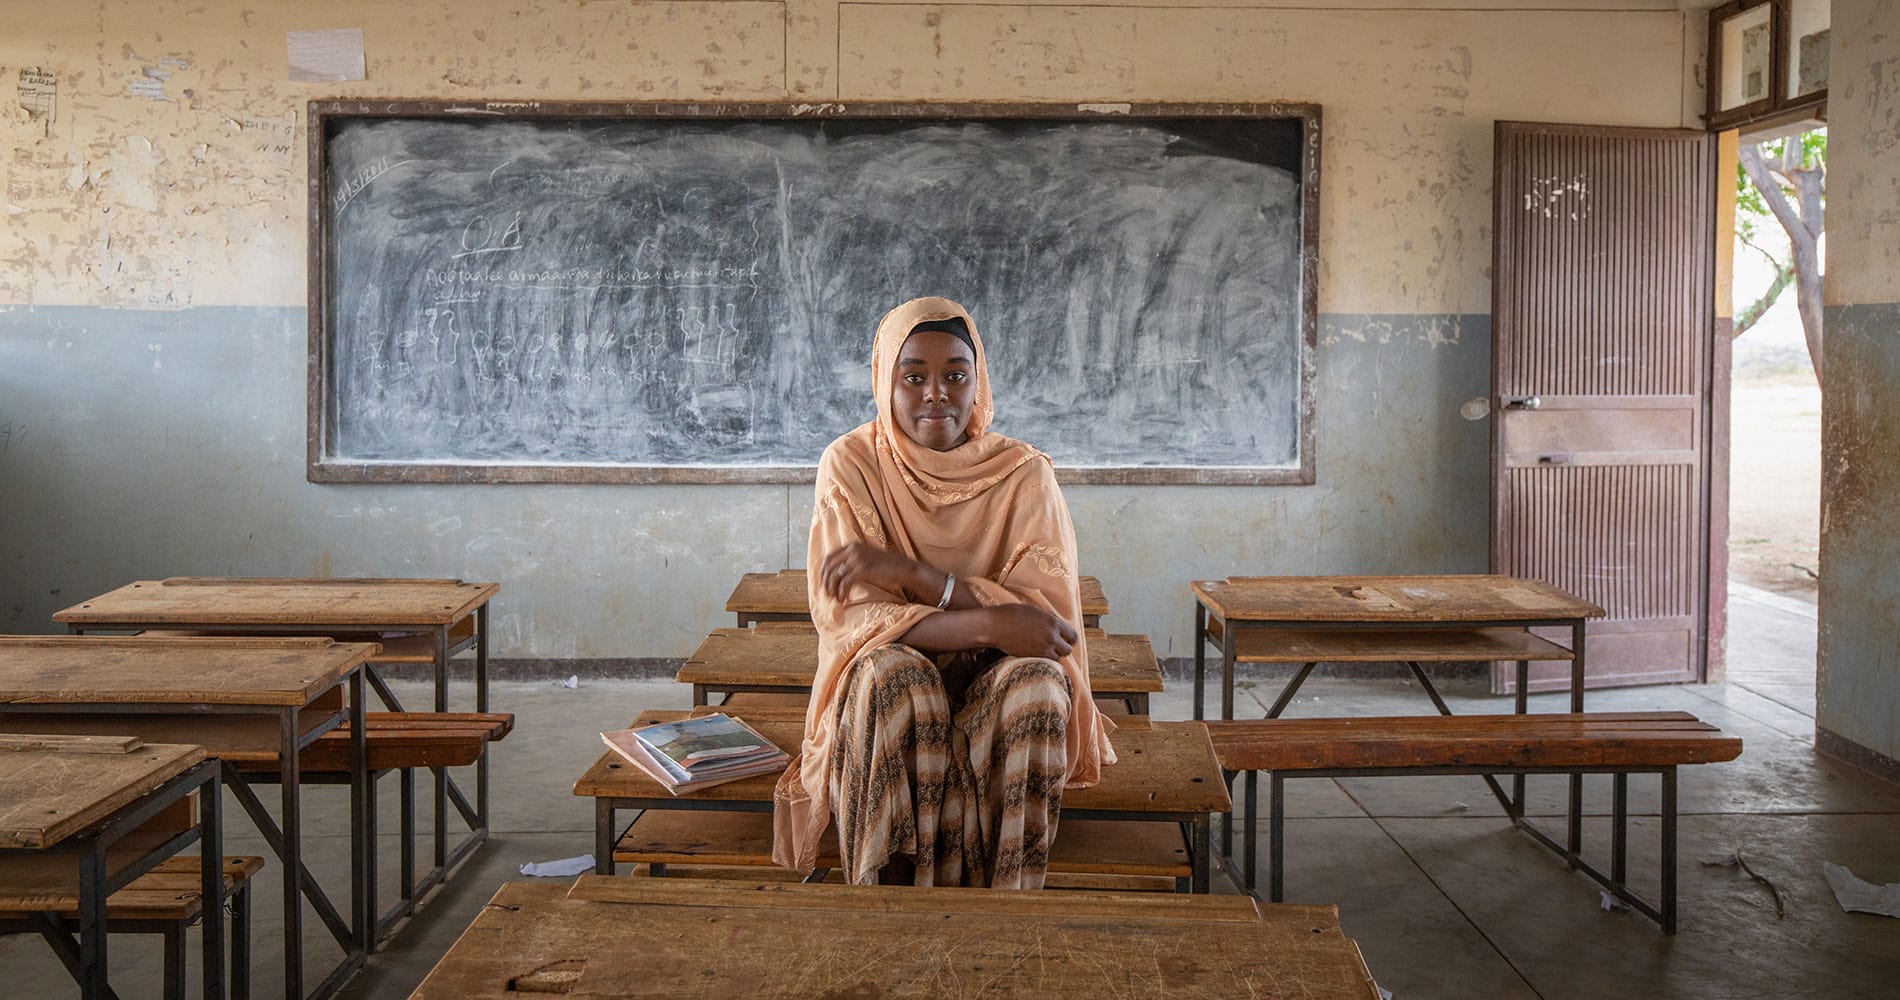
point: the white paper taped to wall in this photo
(328, 56)
(37, 93)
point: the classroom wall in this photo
(1857, 688)
(152, 356)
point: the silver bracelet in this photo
(949, 588)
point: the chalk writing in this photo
(479, 236)
(703, 293)
(272, 138)
(37, 89)
(349, 187)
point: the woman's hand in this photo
(1027, 630)
(861, 562)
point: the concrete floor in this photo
(1444, 898)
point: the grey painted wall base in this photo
(141, 444)
(1857, 674)
(1872, 761)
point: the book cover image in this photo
(695, 744)
(713, 749)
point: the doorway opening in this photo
(1774, 506)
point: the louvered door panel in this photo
(1602, 311)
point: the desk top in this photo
(52, 787)
(783, 593)
(118, 670)
(785, 654)
(1163, 767)
(281, 603)
(1403, 599)
(707, 938)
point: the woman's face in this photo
(933, 389)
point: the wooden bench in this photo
(1096, 854)
(166, 900)
(781, 597)
(1618, 744)
(782, 657)
(1167, 773)
(403, 742)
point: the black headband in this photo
(954, 326)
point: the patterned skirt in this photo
(966, 785)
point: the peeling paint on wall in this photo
(144, 205)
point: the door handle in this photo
(1554, 458)
(1523, 402)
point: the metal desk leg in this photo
(1229, 641)
(603, 837)
(442, 773)
(481, 705)
(1523, 708)
(362, 822)
(1249, 830)
(1619, 827)
(241, 942)
(1200, 660)
(1276, 836)
(407, 823)
(291, 840)
(173, 942)
(1669, 850)
(1203, 855)
(211, 883)
(1575, 832)
(92, 922)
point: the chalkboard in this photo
(668, 293)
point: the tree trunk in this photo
(1803, 226)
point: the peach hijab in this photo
(988, 510)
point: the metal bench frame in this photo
(85, 958)
(1615, 880)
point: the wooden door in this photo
(1602, 311)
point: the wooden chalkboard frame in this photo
(321, 467)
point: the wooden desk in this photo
(1408, 619)
(1166, 772)
(223, 689)
(1392, 614)
(716, 939)
(782, 657)
(79, 804)
(781, 597)
(445, 618)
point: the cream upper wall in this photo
(164, 180)
(1863, 162)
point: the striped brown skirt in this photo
(966, 784)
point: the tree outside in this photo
(1775, 428)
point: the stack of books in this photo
(697, 753)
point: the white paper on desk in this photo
(1857, 894)
(564, 868)
(328, 56)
